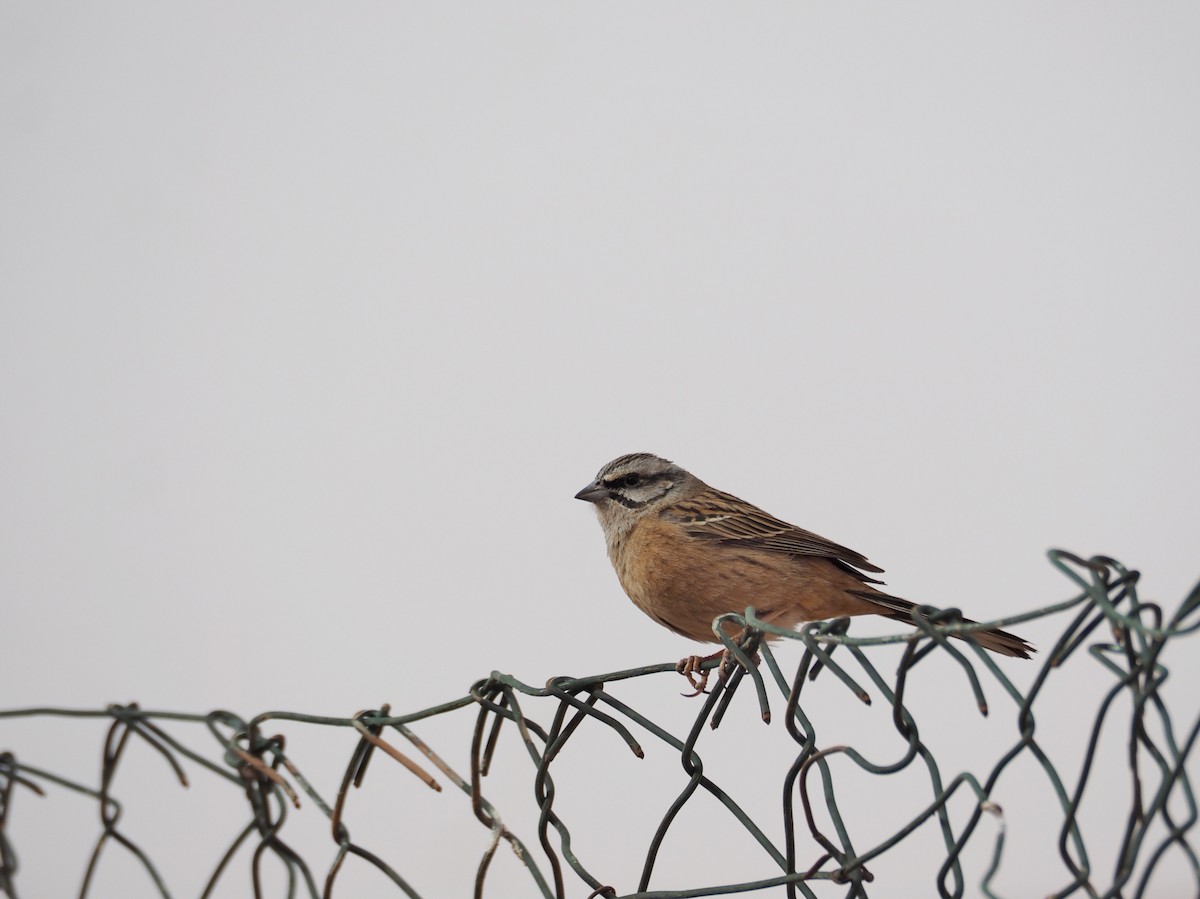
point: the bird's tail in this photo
(996, 640)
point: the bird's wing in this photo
(714, 515)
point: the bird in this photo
(686, 553)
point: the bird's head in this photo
(634, 485)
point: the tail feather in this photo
(994, 639)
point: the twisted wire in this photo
(812, 856)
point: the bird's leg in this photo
(697, 676)
(726, 666)
(728, 660)
(692, 669)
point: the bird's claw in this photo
(696, 676)
(693, 669)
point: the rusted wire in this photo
(1158, 821)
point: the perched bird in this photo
(686, 553)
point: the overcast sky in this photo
(313, 318)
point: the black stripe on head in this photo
(632, 479)
(637, 479)
(626, 501)
(619, 484)
(632, 459)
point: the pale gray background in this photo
(314, 317)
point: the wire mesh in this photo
(817, 854)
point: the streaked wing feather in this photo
(715, 515)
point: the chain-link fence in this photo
(817, 854)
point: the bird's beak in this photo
(593, 492)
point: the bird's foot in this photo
(696, 675)
(729, 663)
(698, 679)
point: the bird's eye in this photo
(631, 480)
